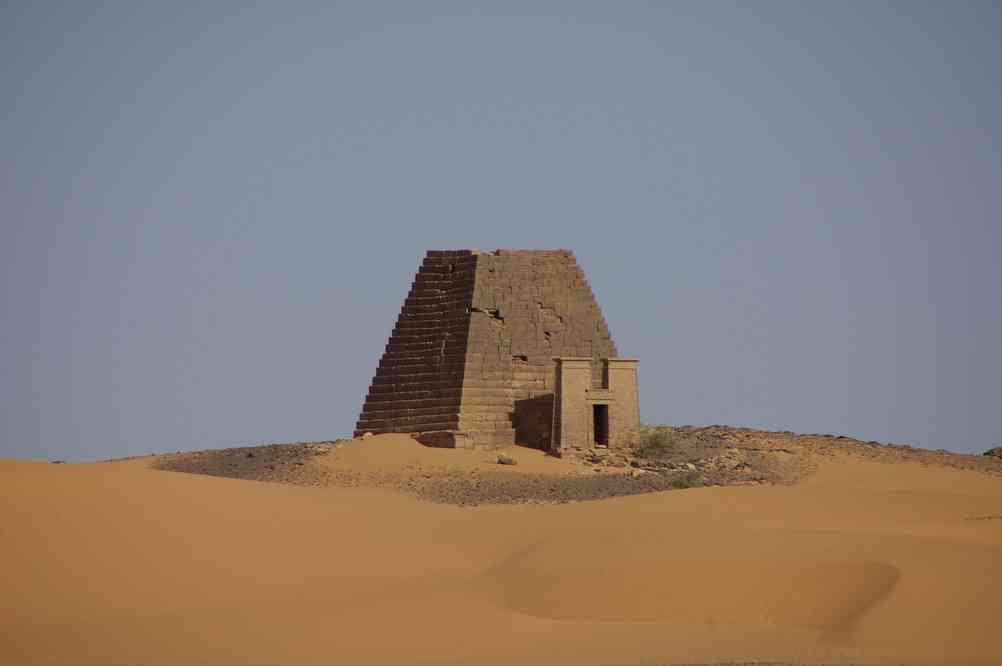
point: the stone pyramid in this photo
(470, 361)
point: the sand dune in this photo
(641, 587)
(864, 562)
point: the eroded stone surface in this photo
(473, 349)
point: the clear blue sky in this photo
(789, 212)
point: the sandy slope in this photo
(865, 562)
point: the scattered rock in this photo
(282, 463)
(63, 462)
(367, 435)
(703, 456)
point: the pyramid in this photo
(471, 359)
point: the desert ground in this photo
(381, 551)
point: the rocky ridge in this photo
(667, 458)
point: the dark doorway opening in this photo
(600, 421)
(533, 421)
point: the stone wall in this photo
(624, 410)
(473, 349)
(577, 395)
(419, 381)
(528, 307)
(572, 418)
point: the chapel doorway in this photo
(600, 424)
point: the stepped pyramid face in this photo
(471, 360)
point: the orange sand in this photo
(114, 563)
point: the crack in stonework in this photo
(441, 350)
(551, 311)
(493, 313)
